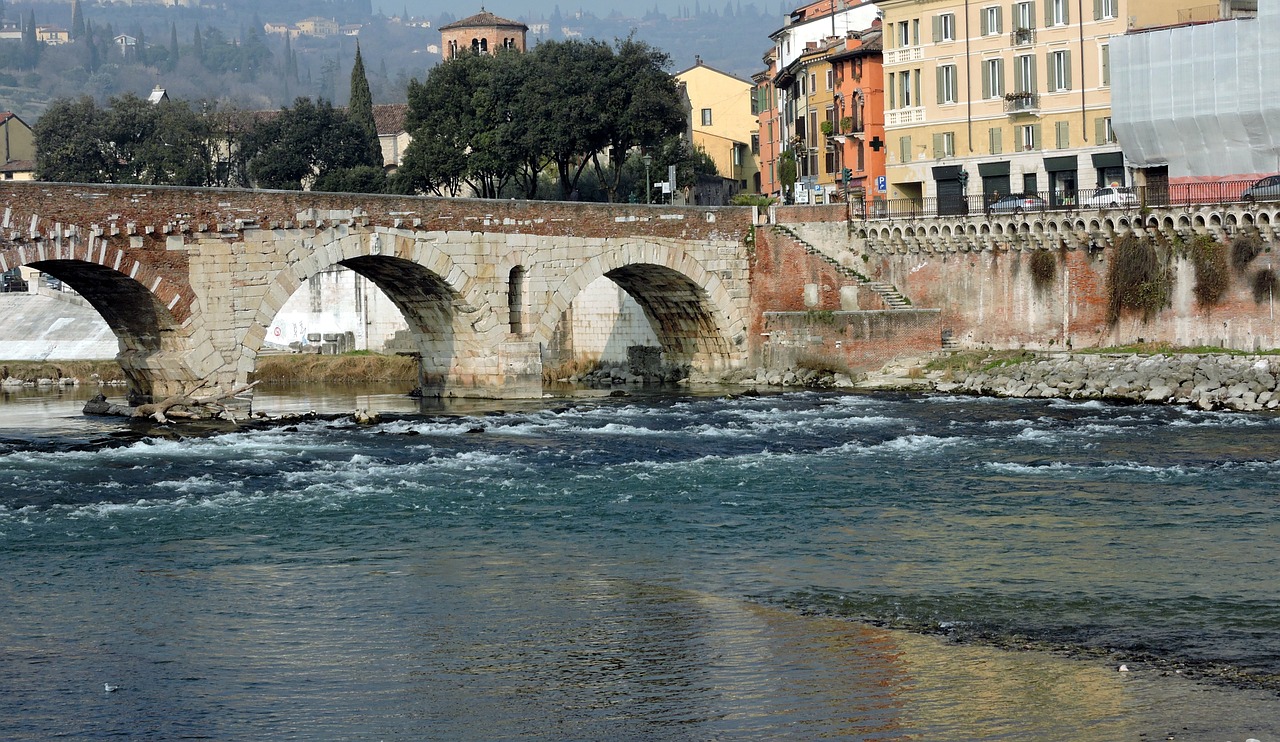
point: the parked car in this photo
(1110, 197)
(12, 281)
(1017, 203)
(1266, 189)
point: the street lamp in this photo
(648, 189)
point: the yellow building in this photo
(722, 122)
(993, 98)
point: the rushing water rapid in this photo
(650, 568)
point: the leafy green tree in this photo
(69, 143)
(562, 102)
(305, 145)
(642, 107)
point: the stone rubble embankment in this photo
(1206, 382)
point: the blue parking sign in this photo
(882, 183)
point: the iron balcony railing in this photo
(1021, 102)
(1028, 205)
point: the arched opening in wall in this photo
(338, 310)
(92, 312)
(650, 319)
(1198, 222)
(515, 300)
(376, 303)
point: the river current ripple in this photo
(675, 567)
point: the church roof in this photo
(484, 19)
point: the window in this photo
(1025, 80)
(1024, 16)
(991, 21)
(944, 27)
(904, 34)
(944, 144)
(904, 89)
(1057, 12)
(831, 79)
(706, 117)
(1105, 51)
(947, 89)
(1062, 134)
(993, 78)
(1029, 137)
(755, 142)
(1060, 70)
(1104, 134)
(996, 137)
(1104, 9)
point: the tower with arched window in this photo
(482, 33)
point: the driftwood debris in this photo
(185, 406)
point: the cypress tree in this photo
(173, 45)
(77, 21)
(360, 107)
(197, 45)
(30, 45)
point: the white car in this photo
(1110, 197)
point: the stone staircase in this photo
(893, 298)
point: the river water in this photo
(658, 567)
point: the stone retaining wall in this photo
(1207, 382)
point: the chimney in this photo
(697, 60)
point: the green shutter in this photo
(982, 18)
(1031, 17)
(996, 145)
(986, 80)
(937, 28)
(1097, 10)
(1048, 13)
(1035, 136)
(892, 98)
(1066, 12)
(1062, 133)
(1035, 76)
(937, 146)
(1106, 64)
(1067, 67)
(999, 20)
(904, 149)
(1099, 130)
(998, 85)
(941, 97)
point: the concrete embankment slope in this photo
(37, 327)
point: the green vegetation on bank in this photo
(107, 371)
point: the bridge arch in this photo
(146, 314)
(433, 295)
(689, 306)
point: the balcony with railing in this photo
(1022, 36)
(1024, 102)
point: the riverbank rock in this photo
(1206, 382)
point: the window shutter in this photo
(1031, 16)
(1048, 12)
(1066, 11)
(1062, 134)
(998, 85)
(996, 144)
(1066, 83)
(1099, 130)
(937, 28)
(1000, 20)
(1097, 10)
(938, 147)
(893, 103)
(986, 80)
(983, 16)
(1034, 75)
(1035, 136)
(942, 97)
(904, 147)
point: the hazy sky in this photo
(517, 8)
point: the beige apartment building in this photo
(722, 122)
(1006, 96)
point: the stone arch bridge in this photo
(190, 279)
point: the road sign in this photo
(882, 183)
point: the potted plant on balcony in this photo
(827, 128)
(846, 123)
(1018, 96)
